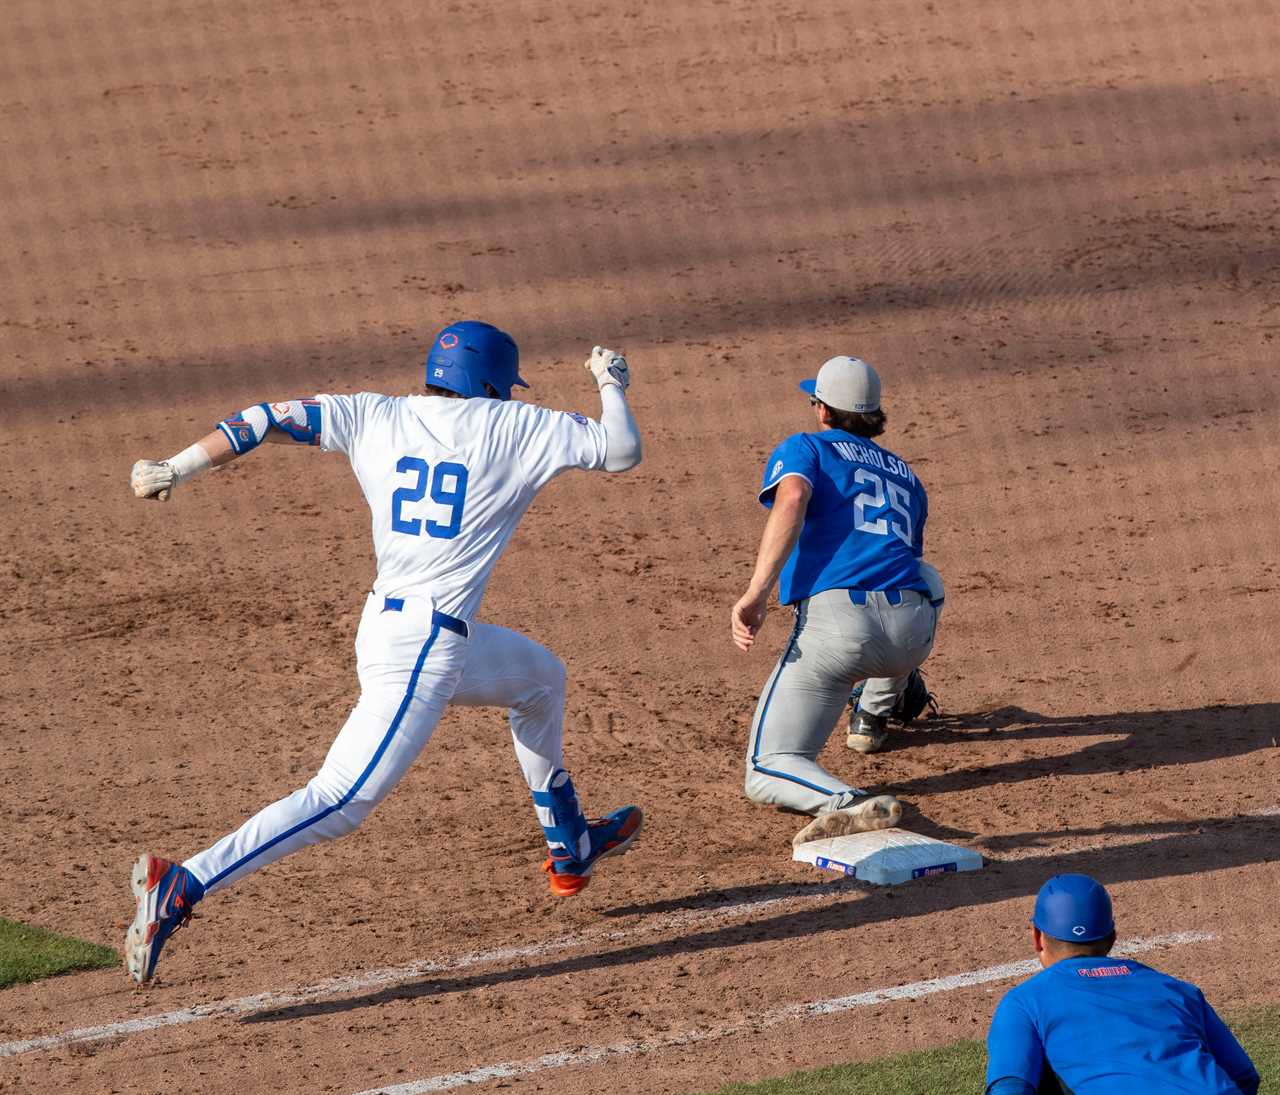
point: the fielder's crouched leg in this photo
(799, 707)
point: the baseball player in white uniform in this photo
(447, 475)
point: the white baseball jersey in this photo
(447, 481)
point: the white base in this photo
(888, 856)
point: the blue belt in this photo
(859, 596)
(893, 596)
(438, 618)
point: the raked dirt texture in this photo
(1052, 228)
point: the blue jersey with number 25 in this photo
(864, 528)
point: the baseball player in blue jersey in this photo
(447, 474)
(845, 535)
(1092, 1025)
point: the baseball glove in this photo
(914, 699)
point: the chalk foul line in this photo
(760, 1021)
(354, 984)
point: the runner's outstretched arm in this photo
(297, 421)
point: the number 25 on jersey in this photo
(448, 488)
(873, 499)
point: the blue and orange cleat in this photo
(610, 835)
(166, 893)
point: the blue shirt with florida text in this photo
(1112, 1026)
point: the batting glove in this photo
(153, 479)
(609, 367)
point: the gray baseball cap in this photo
(847, 384)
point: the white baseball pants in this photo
(412, 663)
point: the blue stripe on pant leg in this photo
(764, 711)
(360, 782)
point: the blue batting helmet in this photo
(1074, 907)
(474, 359)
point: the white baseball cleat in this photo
(874, 812)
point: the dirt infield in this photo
(1053, 232)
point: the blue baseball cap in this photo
(1074, 908)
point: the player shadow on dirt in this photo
(1147, 739)
(1160, 850)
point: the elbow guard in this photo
(299, 418)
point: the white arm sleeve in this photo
(622, 438)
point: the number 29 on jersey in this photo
(447, 483)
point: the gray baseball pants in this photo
(837, 642)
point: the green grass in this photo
(30, 954)
(1258, 1029)
(948, 1071)
(961, 1067)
